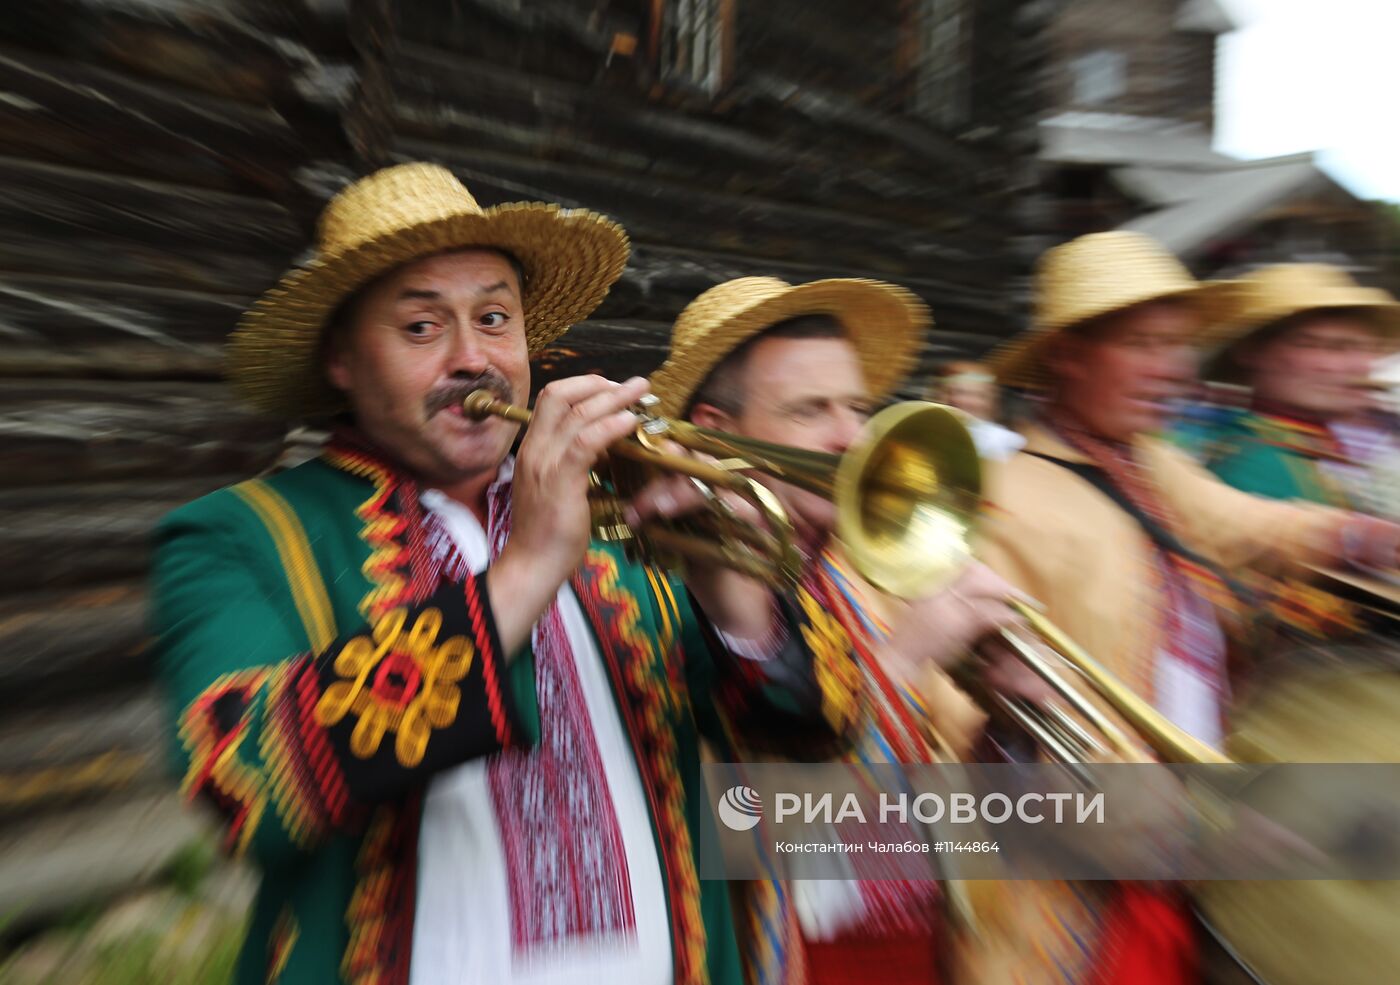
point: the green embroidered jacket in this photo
(321, 667)
(1263, 455)
(1277, 458)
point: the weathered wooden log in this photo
(558, 38)
(849, 48)
(618, 349)
(448, 98)
(92, 430)
(73, 114)
(63, 221)
(92, 496)
(77, 543)
(141, 360)
(58, 326)
(238, 49)
(54, 755)
(661, 279)
(86, 532)
(90, 853)
(83, 644)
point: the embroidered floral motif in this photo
(400, 681)
(837, 674)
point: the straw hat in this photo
(1268, 295)
(1092, 276)
(884, 322)
(400, 214)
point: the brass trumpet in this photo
(907, 497)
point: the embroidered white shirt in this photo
(462, 933)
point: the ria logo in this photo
(740, 808)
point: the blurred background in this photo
(163, 161)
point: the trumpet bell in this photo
(907, 498)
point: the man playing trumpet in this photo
(458, 737)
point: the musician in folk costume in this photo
(805, 366)
(458, 738)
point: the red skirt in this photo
(861, 960)
(1147, 939)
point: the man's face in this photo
(970, 392)
(1316, 367)
(1121, 379)
(421, 338)
(807, 393)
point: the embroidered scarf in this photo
(565, 863)
(890, 733)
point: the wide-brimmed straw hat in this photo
(1093, 276)
(884, 322)
(1269, 295)
(570, 257)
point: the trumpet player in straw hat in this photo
(457, 736)
(1129, 544)
(804, 366)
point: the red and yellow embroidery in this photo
(215, 768)
(650, 708)
(397, 680)
(279, 946)
(382, 531)
(304, 778)
(837, 675)
(380, 914)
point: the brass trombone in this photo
(907, 497)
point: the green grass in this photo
(142, 959)
(189, 867)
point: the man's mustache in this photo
(457, 390)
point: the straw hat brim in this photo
(1227, 335)
(1020, 361)
(884, 322)
(571, 258)
(1224, 342)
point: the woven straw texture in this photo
(1271, 294)
(884, 322)
(1092, 276)
(571, 258)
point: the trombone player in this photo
(804, 366)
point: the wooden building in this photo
(1127, 143)
(163, 162)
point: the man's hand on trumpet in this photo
(737, 603)
(574, 422)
